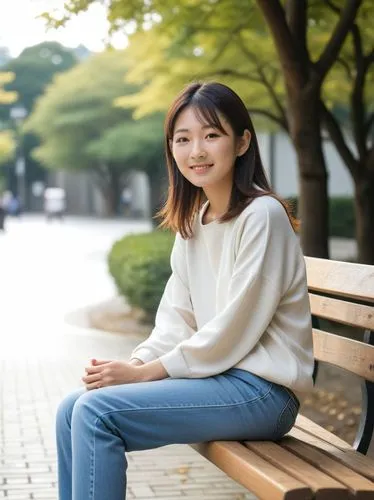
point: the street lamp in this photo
(18, 113)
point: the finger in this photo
(88, 379)
(97, 362)
(94, 385)
(93, 369)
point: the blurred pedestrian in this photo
(126, 200)
(54, 203)
(2, 214)
(14, 206)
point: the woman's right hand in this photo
(103, 373)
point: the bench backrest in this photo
(344, 293)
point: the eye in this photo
(212, 135)
(181, 139)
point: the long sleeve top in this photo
(237, 297)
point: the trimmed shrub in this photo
(342, 217)
(140, 266)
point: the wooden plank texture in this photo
(305, 424)
(360, 486)
(352, 459)
(343, 312)
(253, 472)
(342, 279)
(352, 355)
(324, 486)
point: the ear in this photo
(243, 143)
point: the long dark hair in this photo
(249, 182)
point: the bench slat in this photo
(342, 279)
(362, 487)
(324, 486)
(346, 313)
(307, 425)
(253, 472)
(352, 459)
(349, 354)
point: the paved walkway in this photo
(46, 271)
(30, 389)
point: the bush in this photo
(140, 266)
(341, 216)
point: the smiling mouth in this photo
(202, 168)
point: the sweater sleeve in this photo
(175, 320)
(253, 296)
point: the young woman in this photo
(231, 351)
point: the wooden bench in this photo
(310, 462)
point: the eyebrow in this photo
(188, 130)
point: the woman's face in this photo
(204, 155)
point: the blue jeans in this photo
(95, 428)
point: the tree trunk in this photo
(110, 201)
(313, 194)
(109, 185)
(364, 212)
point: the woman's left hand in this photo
(106, 373)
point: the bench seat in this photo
(308, 463)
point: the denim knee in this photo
(65, 409)
(85, 407)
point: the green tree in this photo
(7, 145)
(318, 60)
(33, 70)
(6, 96)
(81, 128)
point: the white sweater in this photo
(237, 297)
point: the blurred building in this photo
(279, 160)
(84, 198)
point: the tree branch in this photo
(228, 38)
(333, 7)
(370, 160)
(360, 128)
(276, 119)
(337, 138)
(297, 16)
(357, 95)
(276, 20)
(263, 79)
(346, 67)
(332, 49)
(231, 72)
(369, 58)
(369, 123)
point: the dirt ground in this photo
(335, 403)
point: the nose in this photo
(197, 151)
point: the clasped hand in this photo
(105, 373)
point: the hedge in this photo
(341, 216)
(140, 266)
